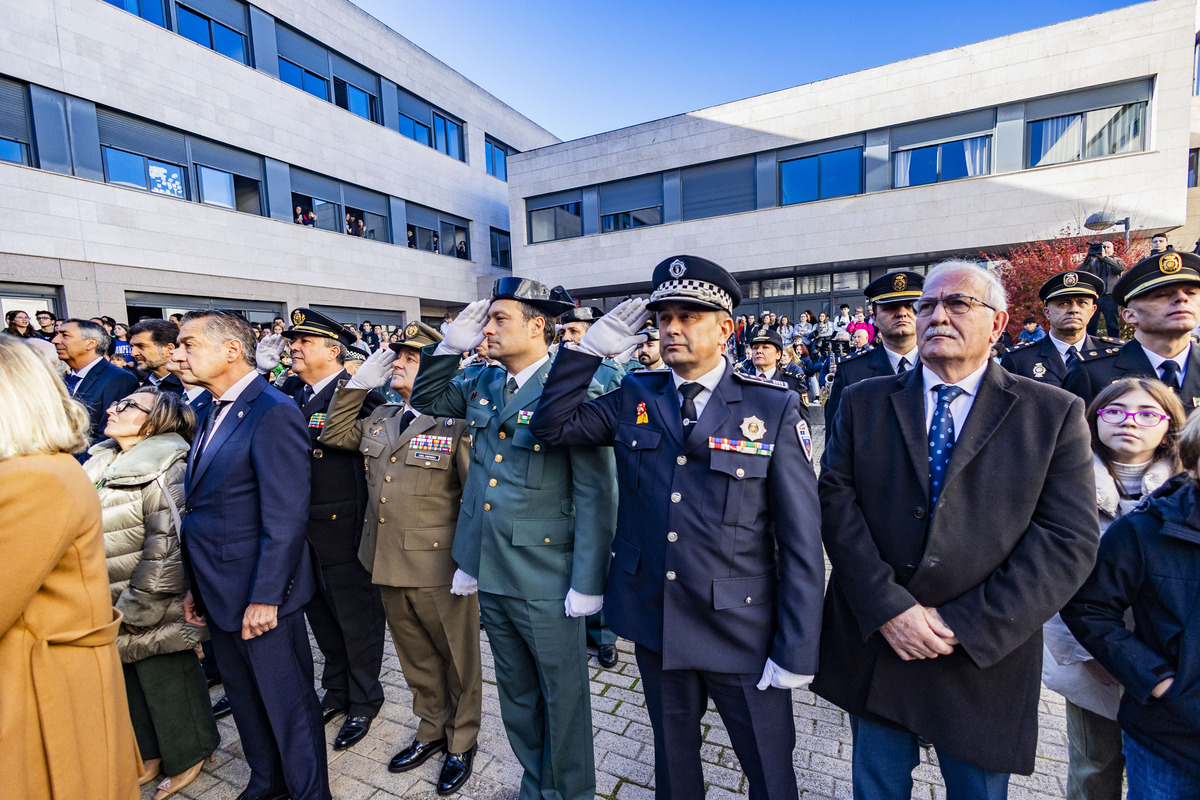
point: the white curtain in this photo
(901, 161)
(978, 154)
(1061, 140)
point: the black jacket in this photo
(1150, 560)
(1041, 362)
(1097, 368)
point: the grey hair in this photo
(221, 326)
(994, 294)
(343, 351)
(93, 330)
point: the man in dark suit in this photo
(717, 568)
(891, 297)
(1068, 301)
(247, 557)
(346, 613)
(940, 585)
(151, 342)
(91, 379)
(1160, 297)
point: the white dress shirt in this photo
(960, 406)
(1156, 361)
(82, 373)
(910, 358)
(1062, 347)
(527, 373)
(708, 381)
(231, 394)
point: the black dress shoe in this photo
(607, 656)
(221, 708)
(352, 732)
(455, 771)
(329, 714)
(280, 795)
(415, 755)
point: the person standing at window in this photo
(19, 325)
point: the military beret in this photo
(1070, 284)
(895, 287)
(550, 301)
(768, 336)
(1161, 269)
(306, 322)
(694, 280)
(587, 314)
(417, 335)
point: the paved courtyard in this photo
(623, 744)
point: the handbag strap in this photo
(174, 508)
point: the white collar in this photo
(79, 373)
(1062, 346)
(320, 385)
(1156, 360)
(527, 373)
(708, 380)
(910, 357)
(969, 384)
(235, 391)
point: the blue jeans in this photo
(884, 759)
(1152, 777)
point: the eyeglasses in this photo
(121, 406)
(956, 305)
(1143, 419)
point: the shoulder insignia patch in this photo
(805, 438)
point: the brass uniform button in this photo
(435, 544)
(334, 516)
(382, 520)
(492, 482)
(388, 479)
(741, 473)
(499, 458)
(672, 536)
(671, 575)
(383, 499)
(537, 447)
(503, 435)
(487, 506)
(393, 459)
(546, 540)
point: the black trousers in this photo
(269, 681)
(1107, 308)
(348, 623)
(759, 723)
(170, 709)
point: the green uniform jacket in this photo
(535, 520)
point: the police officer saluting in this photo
(1069, 302)
(717, 571)
(575, 324)
(416, 470)
(1160, 297)
(891, 296)
(346, 614)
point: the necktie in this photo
(406, 419)
(210, 422)
(902, 366)
(1170, 374)
(306, 394)
(1072, 354)
(510, 388)
(72, 380)
(687, 409)
(941, 439)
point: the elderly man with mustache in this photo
(945, 570)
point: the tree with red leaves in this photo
(1026, 266)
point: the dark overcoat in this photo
(1098, 368)
(1014, 535)
(872, 364)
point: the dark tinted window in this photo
(14, 151)
(124, 169)
(290, 73)
(228, 42)
(193, 26)
(841, 172)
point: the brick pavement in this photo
(624, 747)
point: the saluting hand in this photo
(919, 633)
(375, 371)
(617, 330)
(268, 352)
(466, 331)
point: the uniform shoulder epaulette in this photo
(1020, 346)
(646, 373)
(853, 356)
(1100, 352)
(744, 378)
(1112, 340)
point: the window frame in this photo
(211, 44)
(493, 148)
(443, 134)
(562, 206)
(991, 155)
(494, 237)
(819, 157)
(146, 163)
(1143, 109)
(22, 148)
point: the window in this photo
(779, 287)
(943, 162)
(751, 290)
(631, 219)
(448, 137)
(366, 224)
(497, 159)
(813, 284)
(353, 99)
(501, 249)
(557, 222)
(149, 10)
(317, 212)
(817, 177)
(414, 130)
(1091, 134)
(211, 34)
(219, 188)
(15, 151)
(848, 281)
(1193, 166)
(138, 172)
(421, 238)
(303, 79)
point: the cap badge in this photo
(1039, 370)
(412, 330)
(1070, 279)
(753, 428)
(297, 317)
(898, 283)
(1170, 263)
(677, 268)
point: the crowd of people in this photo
(559, 475)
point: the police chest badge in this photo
(1039, 370)
(642, 416)
(753, 428)
(805, 439)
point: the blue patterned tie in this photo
(941, 439)
(72, 380)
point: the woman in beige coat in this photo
(138, 472)
(64, 721)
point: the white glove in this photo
(779, 678)
(582, 605)
(617, 330)
(627, 354)
(463, 584)
(466, 332)
(268, 352)
(375, 371)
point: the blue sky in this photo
(583, 68)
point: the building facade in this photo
(166, 155)
(808, 194)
